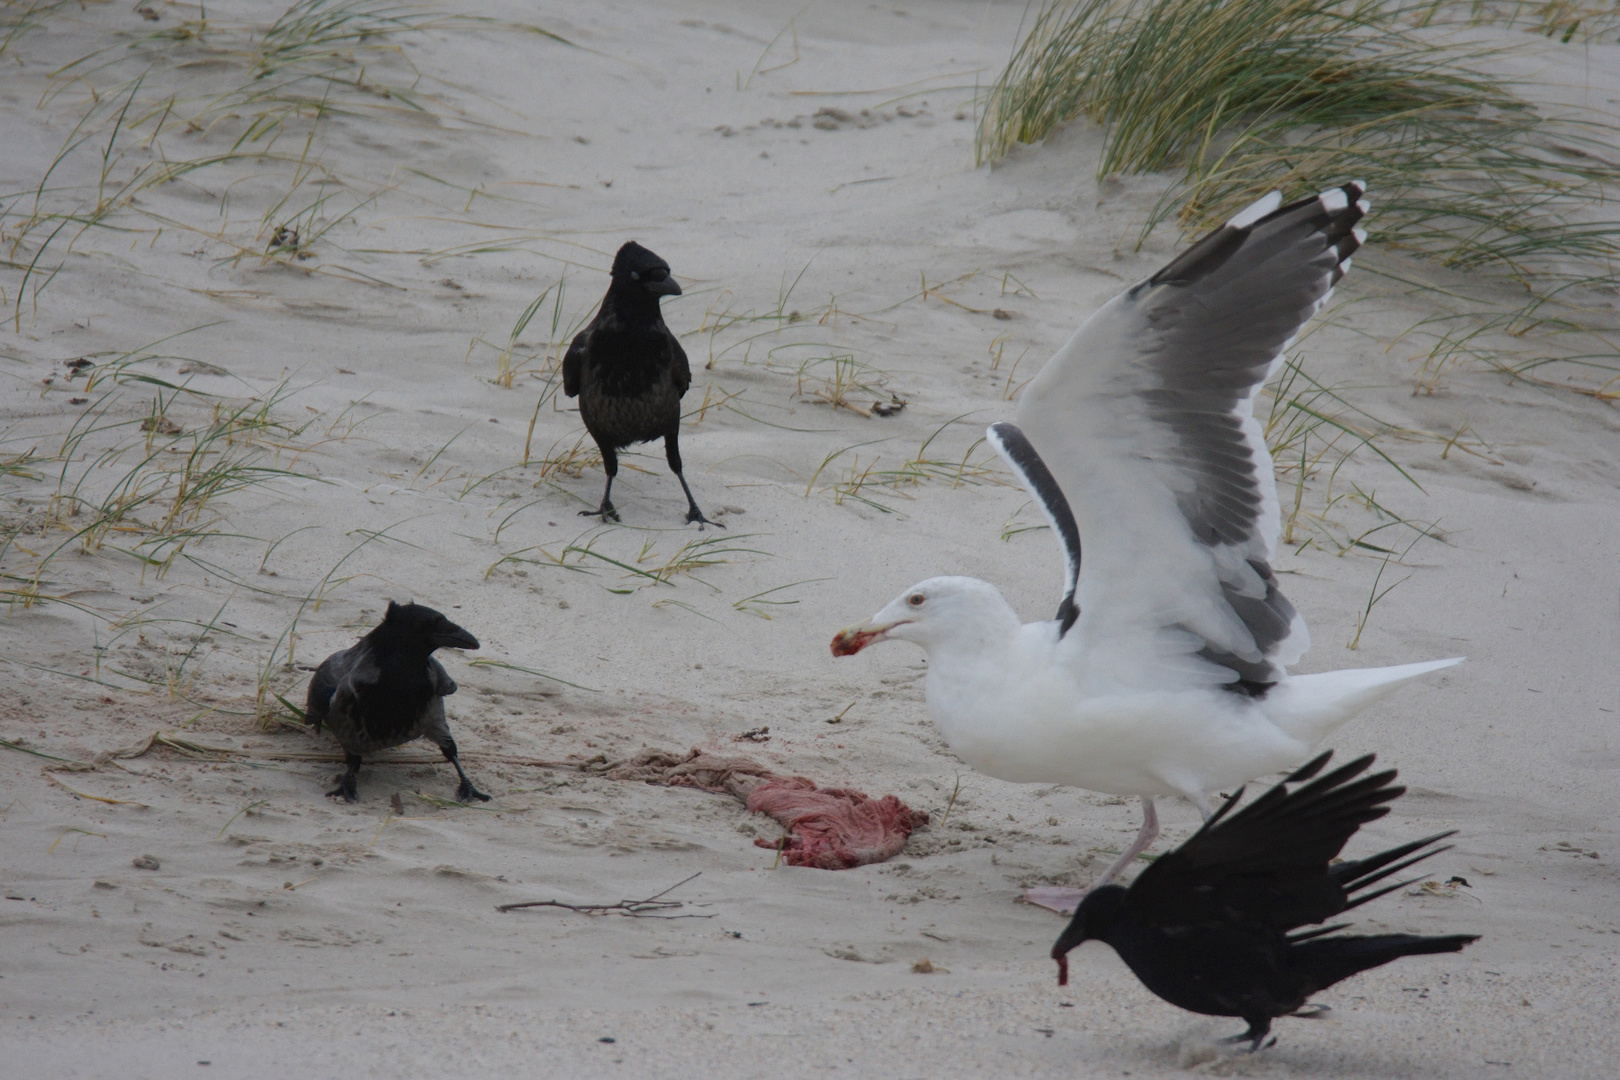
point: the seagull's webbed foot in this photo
(348, 788)
(1054, 898)
(1066, 901)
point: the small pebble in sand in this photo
(145, 862)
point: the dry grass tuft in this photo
(1238, 97)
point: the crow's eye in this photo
(635, 275)
(916, 599)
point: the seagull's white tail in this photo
(1309, 707)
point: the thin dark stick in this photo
(672, 888)
(640, 909)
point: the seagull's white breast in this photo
(1020, 714)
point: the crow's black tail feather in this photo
(1331, 959)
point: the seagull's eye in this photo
(916, 599)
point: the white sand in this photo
(388, 958)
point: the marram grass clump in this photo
(1243, 96)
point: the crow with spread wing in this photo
(1214, 926)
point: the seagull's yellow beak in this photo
(852, 639)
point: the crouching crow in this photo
(387, 689)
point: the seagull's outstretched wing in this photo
(1270, 864)
(1145, 417)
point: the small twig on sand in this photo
(636, 909)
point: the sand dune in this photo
(814, 194)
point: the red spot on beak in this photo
(852, 639)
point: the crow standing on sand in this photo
(387, 689)
(629, 372)
(1207, 926)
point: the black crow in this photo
(1207, 926)
(629, 372)
(387, 689)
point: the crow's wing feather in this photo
(574, 362)
(680, 370)
(324, 683)
(361, 672)
(443, 685)
(1268, 863)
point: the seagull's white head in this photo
(941, 611)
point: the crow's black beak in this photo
(454, 637)
(1072, 937)
(667, 287)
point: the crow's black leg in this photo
(348, 786)
(465, 792)
(672, 452)
(610, 462)
(1259, 1028)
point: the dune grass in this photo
(868, 483)
(1236, 97)
(1564, 21)
(184, 99)
(1313, 430)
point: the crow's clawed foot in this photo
(606, 512)
(467, 793)
(348, 789)
(1257, 1040)
(694, 514)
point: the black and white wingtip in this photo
(1014, 446)
(1334, 212)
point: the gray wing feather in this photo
(443, 684)
(1145, 418)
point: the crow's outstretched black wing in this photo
(1269, 863)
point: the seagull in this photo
(630, 373)
(1164, 671)
(1210, 926)
(386, 689)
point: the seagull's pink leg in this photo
(1064, 901)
